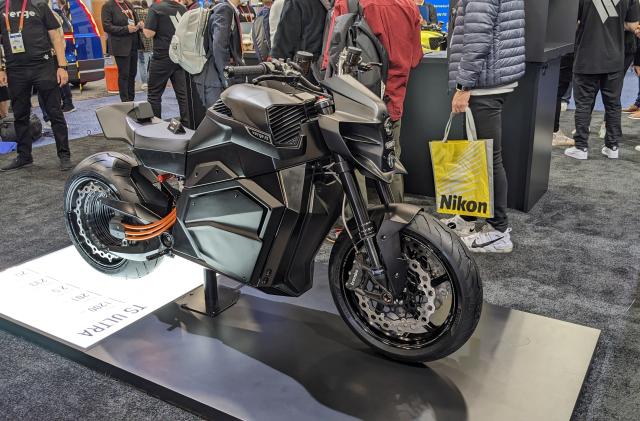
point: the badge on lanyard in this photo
(15, 38)
(128, 13)
(16, 42)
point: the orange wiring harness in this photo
(147, 232)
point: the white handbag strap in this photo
(472, 134)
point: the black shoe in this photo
(16, 164)
(68, 109)
(65, 164)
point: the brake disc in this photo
(394, 317)
(90, 190)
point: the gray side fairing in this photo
(278, 221)
(356, 129)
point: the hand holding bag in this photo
(463, 172)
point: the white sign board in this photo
(62, 296)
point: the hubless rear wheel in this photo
(87, 220)
(439, 309)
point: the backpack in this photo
(261, 39)
(351, 30)
(8, 129)
(188, 43)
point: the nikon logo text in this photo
(457, 203)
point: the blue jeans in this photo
(143, 65)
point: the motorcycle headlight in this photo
(388, 127)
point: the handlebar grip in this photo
(242, 71)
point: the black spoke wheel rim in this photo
(430, 258)
(90, 229)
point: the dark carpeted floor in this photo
(577, 258)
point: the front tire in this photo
(432, 321)
(87, 220)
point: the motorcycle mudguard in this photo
(390, 221)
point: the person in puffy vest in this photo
(486, 60)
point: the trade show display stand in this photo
(527, 117)
(275, 358)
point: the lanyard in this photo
(6, 15)
(127, 12)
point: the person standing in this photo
(160, 25)
(225, 41)
(274, 19)
(599, 60)
(564, 81)
(27, 45)
(396, 24)
(301, 28)
(484, 69)
(144, 53)
(121, 22)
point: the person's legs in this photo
(179, 83)
(45, 117)
(143, 66)
(566, 75)
(611, 90)
(67, 98)
(159, 73)
(133, 71)
(585, 89)
(48, 87)
(123, 63)
(487, 113)
(21, 83)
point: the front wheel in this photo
(440, 307)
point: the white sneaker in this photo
(489, 240)
(611, 153)
(458, 225)
(560, 139)
(637, 148)
(563, 106)
(577, 153)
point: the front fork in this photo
(366, 228)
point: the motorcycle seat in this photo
(157, 137)
(161, 149)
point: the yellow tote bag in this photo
(463, 173)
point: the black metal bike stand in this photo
(216, 298)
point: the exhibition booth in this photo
(239, 320)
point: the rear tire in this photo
(459, 274)
(86, 220)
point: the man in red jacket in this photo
(396, 23)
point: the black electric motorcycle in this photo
(253, 193)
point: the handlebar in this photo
(246, 71)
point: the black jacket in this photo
(114, 22)
(301, 28)
(225, 40)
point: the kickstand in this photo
(217, 298)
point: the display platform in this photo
(275, 358)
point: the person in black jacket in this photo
(301, 28)
(121, 22)
(225, 45)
